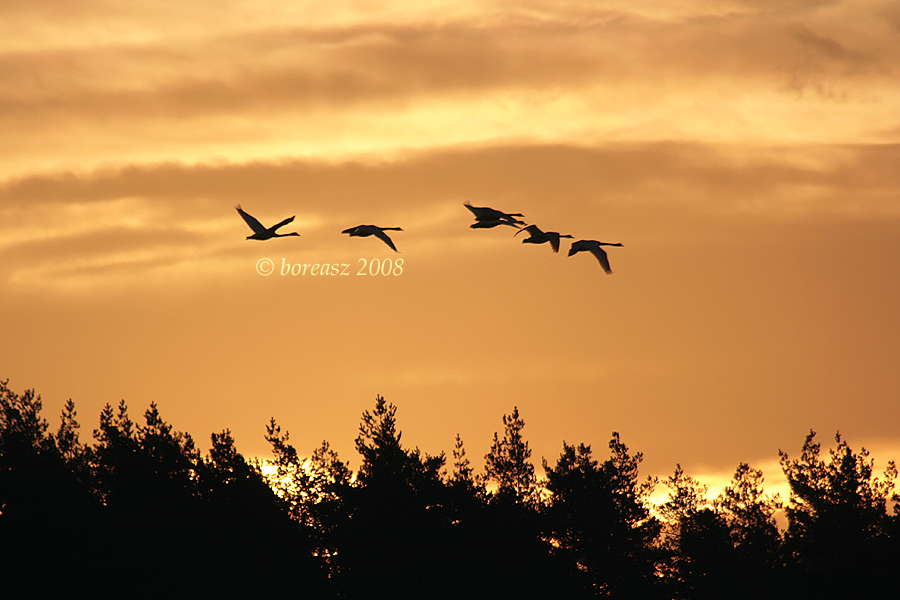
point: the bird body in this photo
(536, 236)
(259, 231)
(491, 223)
(379, 232)
(486, 214)
(594, 248)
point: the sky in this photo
(743, 152)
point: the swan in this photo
(260, 232)
(540, 237)
(484, 213)
(379, 232)
(593, 246)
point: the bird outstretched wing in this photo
(533, 230)
(601, 256)
(384, 238)
(554, 241)
(255, 225)
(476, 210)
(282, 224)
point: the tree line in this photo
(142, 512)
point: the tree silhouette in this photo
(686, 497)
(749, 514)
(507, 464)
(304, 484)
(242, 516)
(511, 525)
(696, 539)
(463, 473)
(142, 504)
(385, 462)
(47, 514)
(139, 513)
(388, 543)
(312, 491)
(749, 511)
(465, 493)
(25, 451)
(838, 524)
(598, 518)
(732, 549)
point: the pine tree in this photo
(507, 464)
(598, 519)
(837, 520)
(463, 473)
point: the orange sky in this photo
(744, 152)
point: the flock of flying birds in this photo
(485, 218)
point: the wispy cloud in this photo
(333, 86)
(116, 216)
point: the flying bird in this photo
(539, 237)
(484, 213)
(489, 224)
(594, 248)
(379, 232)
(260, 232)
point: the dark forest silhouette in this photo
(142, 512)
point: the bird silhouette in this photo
(260, 232)
(379, 232)
(593, 246)
(489, 224)
(539, 237)
(484, 213)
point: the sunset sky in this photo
(745, 153)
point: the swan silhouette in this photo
(539, 237)
(260, 232)
(484, 213)
(379, 232)
(594, 248)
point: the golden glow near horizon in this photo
(744, 152)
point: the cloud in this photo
(145, 217)
(293, 68)
(826, 46)
(549, 74)
(731, 174)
